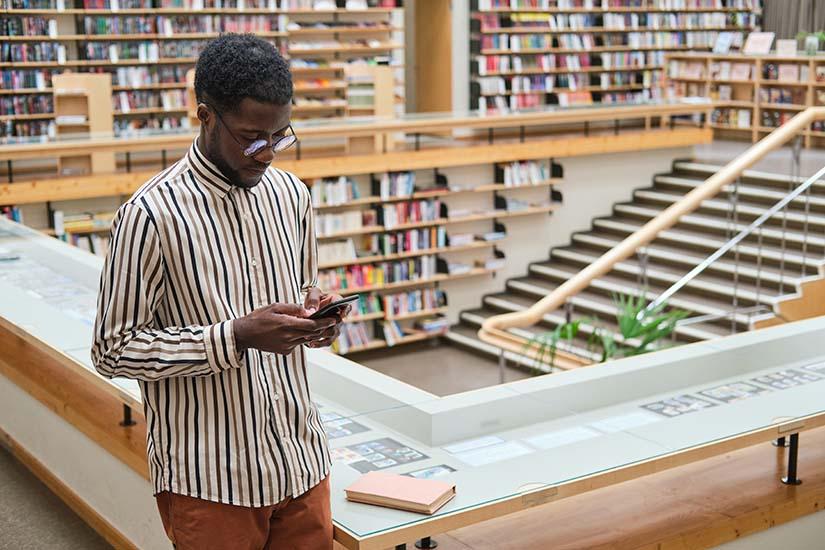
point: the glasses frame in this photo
(279, 145)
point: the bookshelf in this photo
(528, 53)
(148, 47)
(753, 94)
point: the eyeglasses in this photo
(280, 143)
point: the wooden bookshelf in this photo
(756, 99)
(644, 33)
(440, 278)
(353, 31)
(477, 245)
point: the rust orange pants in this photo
(302, 523)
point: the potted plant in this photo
(641, 331)
(810, 42)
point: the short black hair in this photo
(235, 66)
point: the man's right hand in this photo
(279, 328)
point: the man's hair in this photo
(235, 66)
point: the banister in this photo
(494, 329)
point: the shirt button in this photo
(275, 397)
(254, 262)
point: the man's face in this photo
(228, 135)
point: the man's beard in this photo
(229, 173)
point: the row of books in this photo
(169, 25)
(395, 184)
(399, 213)
(328, 224)
(516, 174)
(607, 4)
(549, 83)
(356, 276)
(404, 303)
(81, 222)
(739, 118)
(353, 335)
(142, 76)
(95, 243)
(786, 72)
(367, 304)
(549, 62)
(26, 104)
(144, 99)
(27, 26)
(28, 78)
(116, 5)
(27, 128)
(409, 241)
(512, 103)
(774, 119)
(123, 126)
(12, 212)
(614, 21)
(780, 95)
(617, 98)
(337, 251)
(142, 51)
(26, 52)
(333, 191)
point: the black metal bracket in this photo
(780, 442)
(793, 454)
(163, 157)
(490, 136)
(400, 547)
(127, 416)
(586, 128)
(521, 133)
(9, 171)
(417, 141)
(616, 127)
(426, 542)
(128, 161)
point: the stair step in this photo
(705, 170)
(744, 210)
(748, 266)
(669, 275)
(609, 284)
(750, 192)
(692, 238)
(721, 225)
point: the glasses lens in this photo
(284, 143)
(256, 147)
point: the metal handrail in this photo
(728, 246)
(494, 330)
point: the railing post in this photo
(502, 366)
(735, 224)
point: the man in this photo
(200, 301)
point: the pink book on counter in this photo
(424, 496)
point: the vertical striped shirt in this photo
(189, 253)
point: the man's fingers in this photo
(313, 300)
(294, 310)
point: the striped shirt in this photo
(189, 253)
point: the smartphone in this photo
(331, 309)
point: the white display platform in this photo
(506, 447)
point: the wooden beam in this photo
(433, 56)
(103, 185)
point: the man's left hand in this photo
(315, 300)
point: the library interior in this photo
(559, 231)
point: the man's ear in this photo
(204, 115)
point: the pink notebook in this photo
(402, 492)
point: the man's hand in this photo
(315, 300)
(280, 328)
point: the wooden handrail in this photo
(494, 330)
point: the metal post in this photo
(758, 271)
(795, 158)
(805, 229)
(735, 201)
(793, 454)
(127, 416)
(568, 311)
(502, 367)
(426, 542)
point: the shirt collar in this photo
(207, 173)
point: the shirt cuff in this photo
(221, 352)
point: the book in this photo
(758, 43)
(788, 72)
(424, 496)
(786, 47)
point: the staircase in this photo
(770, 278)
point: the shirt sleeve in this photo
(128, 340)
(309, 246)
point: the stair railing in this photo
(733, 244)
(495, 329)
